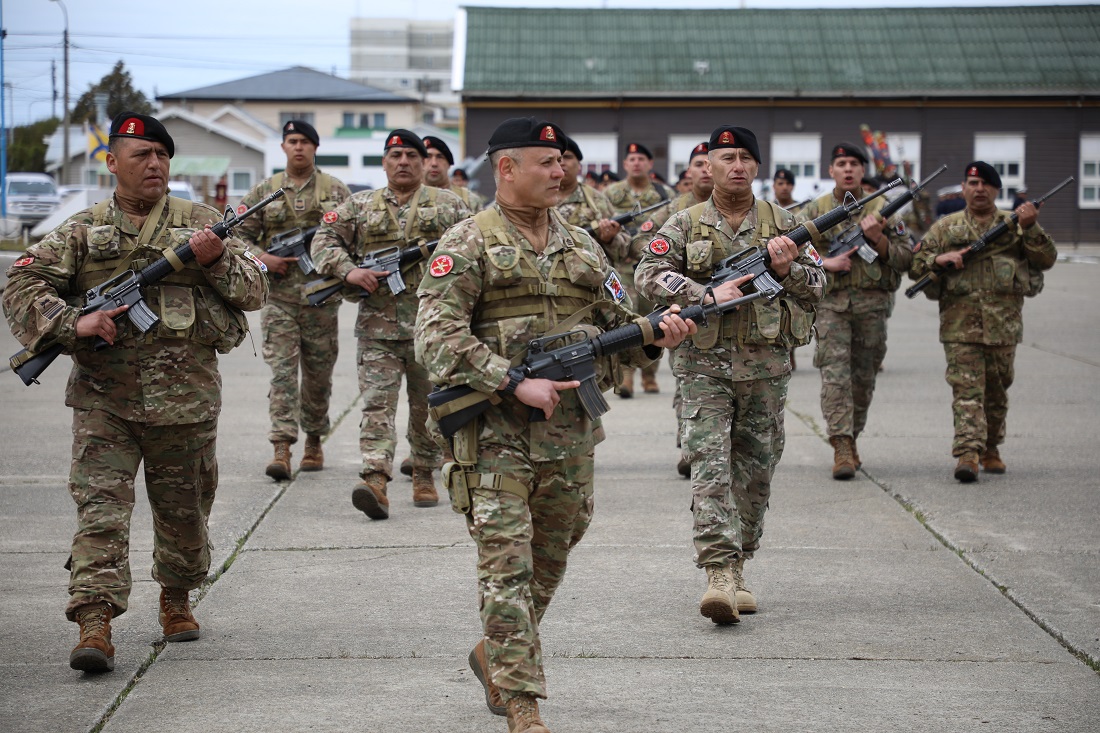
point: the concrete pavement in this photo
(899, 601)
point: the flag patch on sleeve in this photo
(259, 263)
(615, 287)
(673, 282)
(814, 255)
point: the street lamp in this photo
(65, 124)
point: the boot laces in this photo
(176, 601)
(738, 576)
(718, 578)
(526, 710)
(92, 623)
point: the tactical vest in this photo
(875, 275)
(382, 229)
(186, 304)
(1000, 269)
(280, 217)
(782, 321)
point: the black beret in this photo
(572, 147)
(984, 171)
(848, 150)
(873, 181)
(700, 149)
(143, 127)
(435, 142)
(302, 128)
(405, 139)
(459, 172)
(782, 174)
(735, 137)
(638, 148)
(608, 177)
(526, 132)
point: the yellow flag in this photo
(97, 143)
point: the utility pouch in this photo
(454, 479)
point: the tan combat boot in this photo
(407, 467)
(424, 493)
(649, 383)
(991, 461)
(746, 601)
(966, 470)
(369, 496)
(855, 456)
(626, 388)
(279, 468)
(523, 715)
(479, 663)
(844, 465)
(95, 652)
(718, 602)
(313, 459)
(175, 615)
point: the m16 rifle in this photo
(628, 217)
(389, 260)
(295, 243)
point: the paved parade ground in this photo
(899, 601)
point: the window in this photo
(1006, 154)
(332, 161)
(1089, 197)
(801, 155)
(240, 181)
(679, 150)
(364, 120)
(372, 160)
(349, 120)
(379, 121)
(285, 117)
(600, 151)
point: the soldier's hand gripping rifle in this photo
(389, 260)
(453, 407)
(852, 237)
(756, 261)
(295, 243)
(982, 242)
(128, 288)
(628, 217)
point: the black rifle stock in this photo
(628, 217)
(570, 361)
(389, 260)
(295, 243)
(852, 237)
(128, 288)
(994, 233)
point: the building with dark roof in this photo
(1016, 86)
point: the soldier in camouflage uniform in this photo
(152, 398)
(734, 373)
(981, 311)
(637, 191)
(851, 318)
(587, 208)
(782, 188)
(530, 483)
(401, 214)
(437, 168)
(294, 332)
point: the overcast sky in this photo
(175, 45)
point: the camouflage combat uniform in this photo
(150, 399)
(294, 332)
(479, 309)
(584, 207)
(981, 318)
(851, 322)
(369, 221)
(734, 373)
(473, 200)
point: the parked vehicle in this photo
(182, 190)
(31, 197)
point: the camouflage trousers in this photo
(299, 336)
(850, 349)
(522, 548)
(381, 366)
(181, 476)
(733, 437)
(979, 376)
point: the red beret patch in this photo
(241, 209)
(726, 138)
(441, 265)
(658, 247)
(132, 126)
(395, 140)
(633, 148)
(548, 134)
(23, 261)
(700, 148)
(289, 126)
(648, 226)
(330, 217)
(972, 171)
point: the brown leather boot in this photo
(991, 461)
(649, 383)
(844, 465)
(855, 456)
(175, 615)
(279, 468)
(966, 470)
(479, 663)
(718, 602)
(683, 467)
(523, 715)
(424, 493)
(407, 467)
(626, 388)
(313, 459)
(95, 652)
(369, 496)
(746, 601)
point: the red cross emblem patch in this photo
(329, 217)
(658, 247)
(441, 265)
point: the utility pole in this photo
(53, 86)
(65, 124)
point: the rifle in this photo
(128, 288)
(628, 217)
(982, 242)
(852, 237)
(295, 243)
(570, 361)
(798, 205)
(390, 260)
(756, 261)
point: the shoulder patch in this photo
(648, 226)
(814, 255)
(441, 265)
(241, 209)
(673, 282)
(615, 287)
(659, 247)
(23, 261)
(330, 217)
(259, 263)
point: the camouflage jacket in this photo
(753, 342)
(584, 207)
(301, 208)
(464, 335)
(474, 202)
(623, 199)
(983, 302)
(373, 220)
(868, 286)
(168, 376)
(684, 201)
